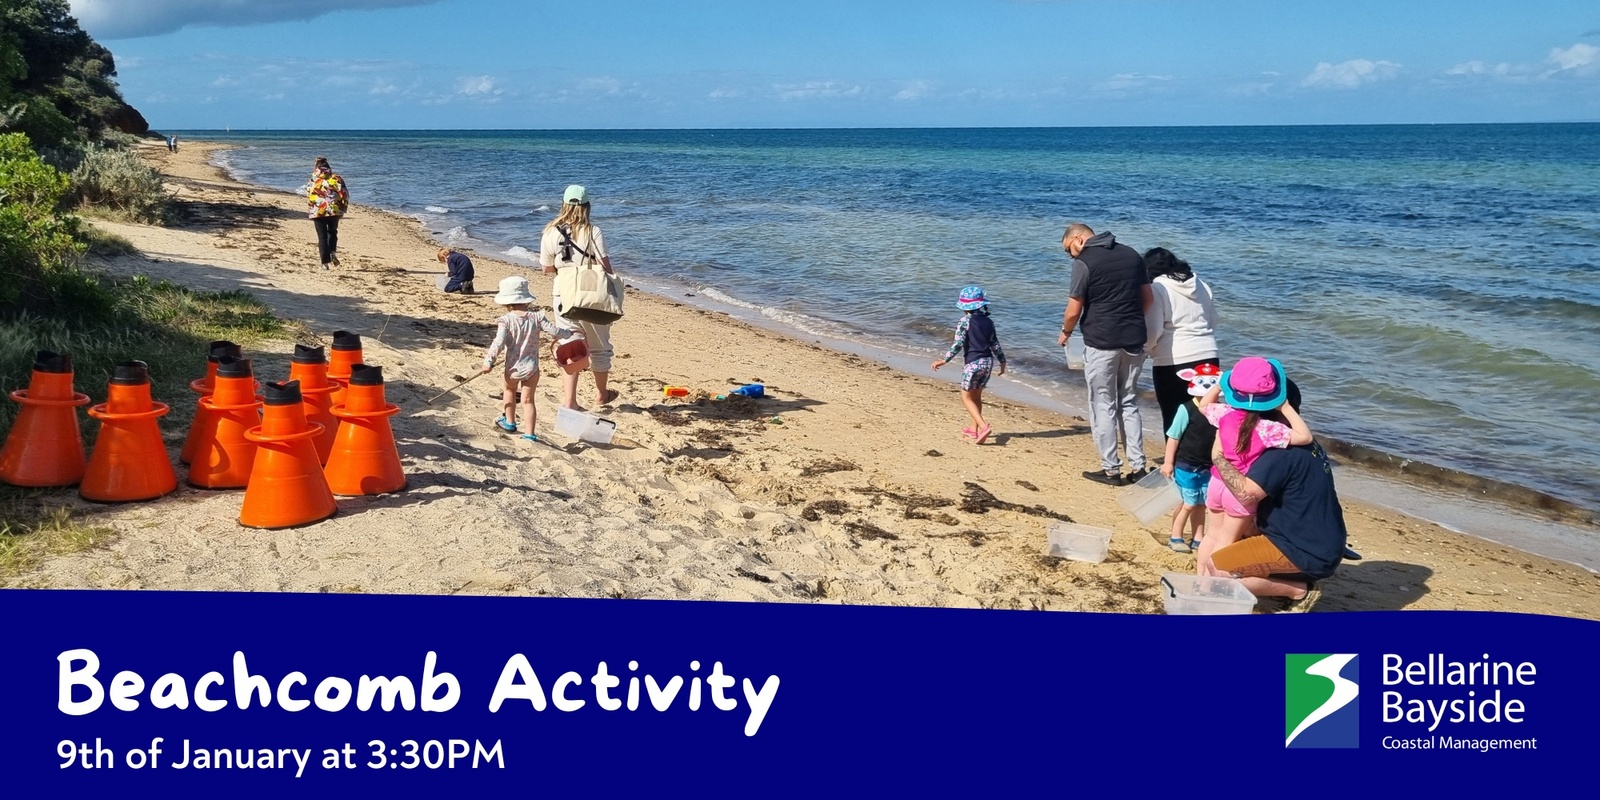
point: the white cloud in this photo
(1480, 68)
(1129, 82)
(479, 85)
(725, 94)
(915, 90)
(1577, 56)
(126, 19)
(1350, 74)
(811, 90)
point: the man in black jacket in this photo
(1109, 292)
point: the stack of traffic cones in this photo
(287, 487)
(222, 456)
(129, 462)
(45, 446)
(310, 367)
(346, 354)
(364, 458)
(203, 387)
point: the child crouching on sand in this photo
(518, 336)
(1253, 397)
(975, 336)
(1188, 461)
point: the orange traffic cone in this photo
(346, 354)
(223, 457)
(287, 487)
(364, 458)
(202, 387)
(45, 446)
(129, 462)
(310, 367)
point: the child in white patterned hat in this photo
(518, 336)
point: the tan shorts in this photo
(598, 338)
(1255, 557)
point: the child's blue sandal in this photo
(1177, 544)
(532, 437)
(508, 427)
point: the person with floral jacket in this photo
(327, 198)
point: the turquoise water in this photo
(1435, 290)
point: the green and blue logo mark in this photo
(1320, 705)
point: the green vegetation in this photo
(64, 138)
(57, 84)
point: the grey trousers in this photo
(1112, 376)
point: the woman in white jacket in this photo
(1180, 326)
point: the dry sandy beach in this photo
(848, 484)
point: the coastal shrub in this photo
(39, 248)
(119, 184)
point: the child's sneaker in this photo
(1177, 544)
(508, 427)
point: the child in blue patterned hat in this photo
(975, 336)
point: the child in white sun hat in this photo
(518, 336)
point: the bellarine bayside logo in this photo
(1320, 705)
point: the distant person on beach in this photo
(328, 199)
(172, 144)
(1188, 460)
(568, 241)
(459, 272)
(1298, 535)
(1252, 417)
(518, 336)
(977, 340)
(1109, 294)
(1180, 328)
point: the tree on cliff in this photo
(57, 85)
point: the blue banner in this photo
(352, 695)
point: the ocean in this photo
(1434, 290)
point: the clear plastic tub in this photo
(1151, 499)
(586, 427)
(1074, 351)
(1196, 595)
(1078, 542)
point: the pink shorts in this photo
(1220, 498)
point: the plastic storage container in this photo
(1078, 542)
(586, 427)
(1074, 350)
(1196, 595)
(1152, 498)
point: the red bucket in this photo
(573, 356)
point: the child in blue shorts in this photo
(1188, 461)
(976, 339)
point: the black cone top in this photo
(366, 375)
(281, 393)
(223, 348)
(48, 361)
(230, 367)
(309, 355)
(130, 373)
(345, 340)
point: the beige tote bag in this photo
(586, 292)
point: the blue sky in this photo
(350, 64)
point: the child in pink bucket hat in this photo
(1251, 417)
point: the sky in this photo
(532, 64)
